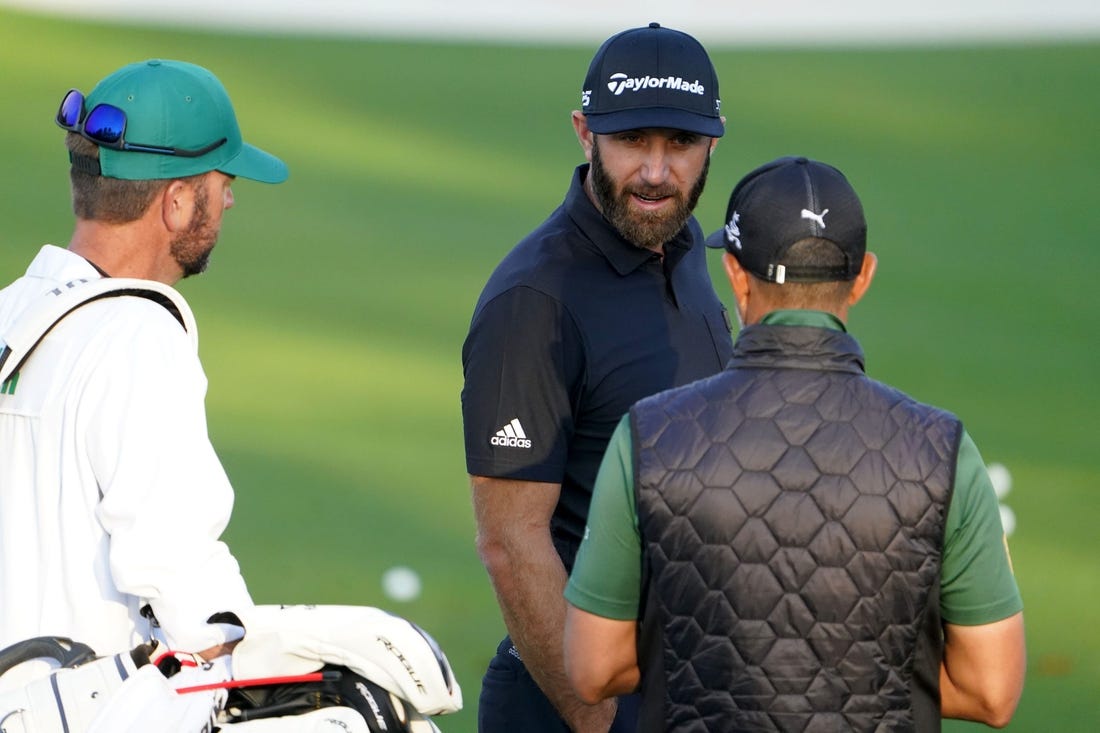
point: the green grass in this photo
(332, 319)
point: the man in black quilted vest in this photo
(790, 545)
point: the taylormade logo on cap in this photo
(621, 82)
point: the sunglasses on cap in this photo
(105, 126)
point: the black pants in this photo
(511, 702)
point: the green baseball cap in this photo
(175, 104)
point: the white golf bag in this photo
(307, 669)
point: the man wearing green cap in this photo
(112, 500)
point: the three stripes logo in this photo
(511, 436)
(9, 384)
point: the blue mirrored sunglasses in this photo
(105, 126)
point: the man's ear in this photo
(177, 205)
(864, 278)
(586, 137)
(739, 282)
(714, 140)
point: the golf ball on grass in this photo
(1001, 478)
(401, 583)
(1008, 520)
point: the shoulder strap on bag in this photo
(17, 344)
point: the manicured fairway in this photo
(333, 315)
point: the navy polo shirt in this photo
(574, 326)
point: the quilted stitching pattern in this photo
(793, 523)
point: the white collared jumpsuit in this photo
(111, 495)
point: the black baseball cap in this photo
(783, 202)
(652, 77)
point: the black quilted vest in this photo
(792, 517)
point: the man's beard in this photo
(646, 229)
(191, 249)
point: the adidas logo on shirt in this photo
(511, 436)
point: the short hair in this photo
(827, 295)
(110, 200)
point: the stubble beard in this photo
(191, 249)
(644, 229)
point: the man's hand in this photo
(513, 541)
(218, 651)
(592, 718)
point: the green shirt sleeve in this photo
(977, 584)
(606, 577)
